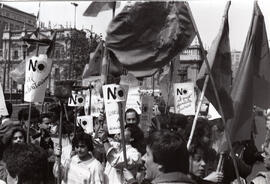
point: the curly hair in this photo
(26, 161)
(7, 139)
(84, 138)
(138, 137)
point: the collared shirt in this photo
(83, 172)
(173, 178)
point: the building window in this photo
(15, 55)
(183, 74)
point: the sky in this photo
(207, 15)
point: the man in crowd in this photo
(166, 159)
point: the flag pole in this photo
(214, 87)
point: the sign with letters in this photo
(184, 98)
(3, 108)
(76, 100)
(86, 122)
(114, 94)
(37, 73)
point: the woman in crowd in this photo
(82, 168)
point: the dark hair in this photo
(12, 132)
(130, 110)
(84, 138)
(23, 113)
(202, 129)
(27, 161)
(169, 150)
(177, 121)
(138, 137)
(46, 115)
(9, 108)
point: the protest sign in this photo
(3, 108)
(76, 100)
(114, 94)
(37, 73)
(147, 111)
(86, 122)
(184, 98)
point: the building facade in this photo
(63, 57)
(14, 19)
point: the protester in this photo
(166, 158)
(26, 163)
(115, 159)
(23, 117)
(82, 167)
(132, 117)
(198, 161)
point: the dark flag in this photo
(96, 7)
(219, 58)
(143, 43)
(94, 66)
(251, 85)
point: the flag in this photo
(95, 61)
(219, 58)
(96, 7)
(143, 43)
(252, 83)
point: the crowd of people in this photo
(156, 155)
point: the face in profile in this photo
(152, 168)
(18, 138)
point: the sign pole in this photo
(123, 140)
(28, 124)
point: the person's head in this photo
(165, 152)
(131, 116)
(15, 135)
(133, 133)
(46, 121)
(202, 132)
(197, 160)
(178, 122)
(83, 144)
(24, 113)
(27, 163)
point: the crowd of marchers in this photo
(152, 154)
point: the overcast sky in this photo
(207, 14)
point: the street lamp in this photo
(75, 6)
